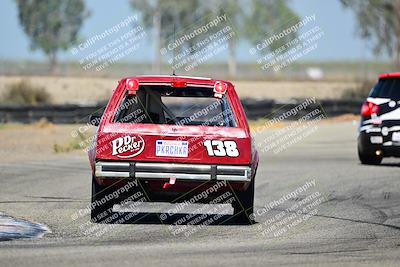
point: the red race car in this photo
(170, 139)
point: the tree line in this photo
(53, 26)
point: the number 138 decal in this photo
(220, 148)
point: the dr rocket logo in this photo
(127, 146)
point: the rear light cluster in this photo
(132, 86)
(220, 89)
(178, 84)
(369, 109)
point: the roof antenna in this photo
(173, 55)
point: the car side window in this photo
(131, 110)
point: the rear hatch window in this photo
(387, 88)
(177, 106)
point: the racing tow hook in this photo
(169, 183)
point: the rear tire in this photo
(244, 205)
(101, 208)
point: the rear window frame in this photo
(124, 93)
(374, 91)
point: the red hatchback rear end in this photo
(172, 138)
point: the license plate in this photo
(172, 148)
(396, 137)
(376, 139)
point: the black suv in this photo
(380, 121)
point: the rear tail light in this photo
(132, 86)
(178, 84)
(220, 89)
(369, 109)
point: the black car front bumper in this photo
(387, 147)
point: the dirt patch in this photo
(286, 90)
(20, 142)
(68, 89)
(44, 140)
(91, 90)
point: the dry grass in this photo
(23, 93)
(90, 90)
(44, 140)
(68, 89)
(360, 92)
(36, 141)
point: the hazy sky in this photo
(338, 43)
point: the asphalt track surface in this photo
(357, 223)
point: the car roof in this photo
(390, 75)
(171, 78)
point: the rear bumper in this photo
(189, 172)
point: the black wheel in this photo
(244, 204)
(101, 208)
(369, 159)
